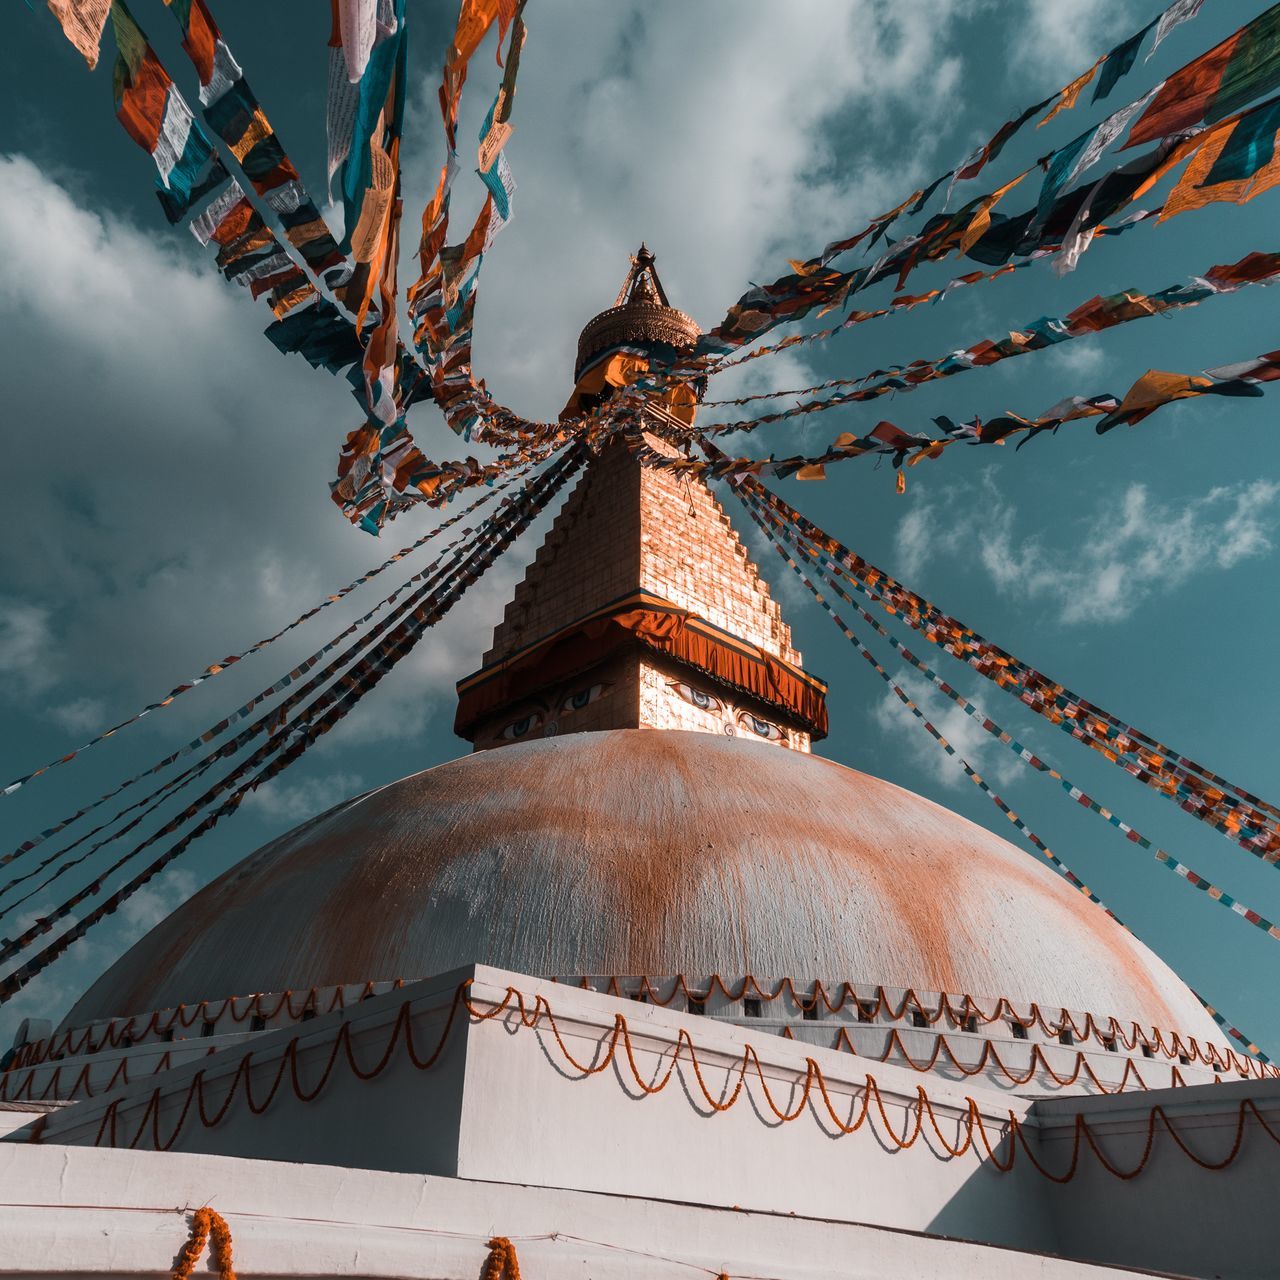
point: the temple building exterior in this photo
(642, 984)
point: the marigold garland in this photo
(75, 1042)
(617, 1048)
(502, 1261)
(208, 1226)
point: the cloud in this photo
(153, 902)
(184, 508)
(1081, 358)
(917, 535)
(24, 643)
(994, 761)
(294, 802)
(1060, 38)
(1148, 548)
(80, 715)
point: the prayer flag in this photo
(154, 114)
(1243, 66)
(82, 22)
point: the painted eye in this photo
(521, 728)
(703, 701)
(583, 697)
(761, 728)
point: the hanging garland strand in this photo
(502, 1262)
(1230, 810)
(615, 1053)
(208, 1226)
(784, 542)
(295, 738)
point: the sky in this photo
(167, 500)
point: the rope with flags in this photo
(1210, 128)
(788, 545)
(289, 740)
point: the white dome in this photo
(646, 852)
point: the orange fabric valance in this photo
(661, 627)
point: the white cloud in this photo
(24, 642)
(154, 901)
(1081, 358)
(80, 715)
(294, 802)
(1060, 38)
(916, 536)
(198, 457)
(991, 759)
(1148, 548)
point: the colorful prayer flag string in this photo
(1069, 218)
(1229, 809)
(747, 489)
(784, 537)
(288, 743)
(217, 668)
(272, 722)
(1094, 316)
(241, 713)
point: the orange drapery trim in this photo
(661, 627)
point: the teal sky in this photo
(167, 499)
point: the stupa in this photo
(642, 983)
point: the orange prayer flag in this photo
(1067, 98)
(256, 131)
(901, 484)
(814, 471)
(930, 451)
(82, 22)
(1191, 194)
(977, 228)
(803, 268)
(1156, 387)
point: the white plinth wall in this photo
(442, 1112)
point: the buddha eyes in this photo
(522, 728)
(583, 697)
(761, 728)
(703, 701)
(544, 718)
(765, 729)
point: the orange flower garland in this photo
(502, 1260)
(208, 1224)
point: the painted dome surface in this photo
(647, 852)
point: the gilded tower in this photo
(642, 609)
